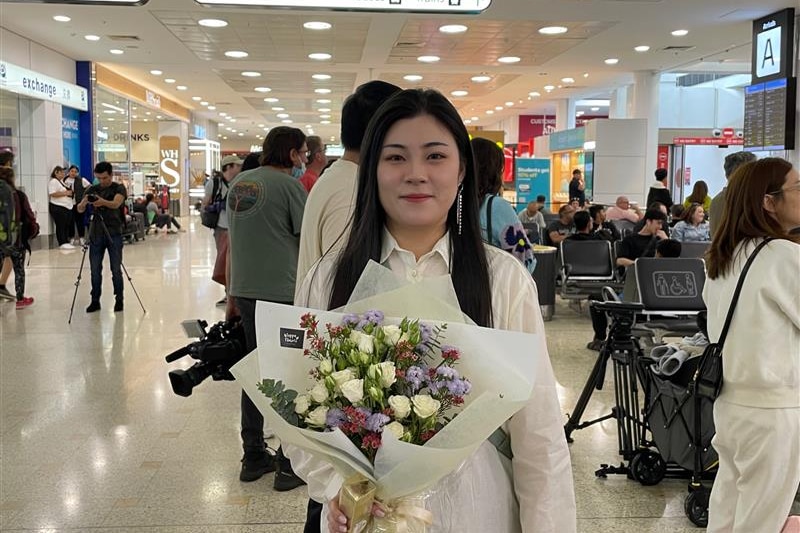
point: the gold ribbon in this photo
(404, 517)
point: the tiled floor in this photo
(93, 439)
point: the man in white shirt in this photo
(622, 211)
(329, 207)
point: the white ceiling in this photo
(368, 46)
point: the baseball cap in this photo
(231, 159)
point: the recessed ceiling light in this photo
(468, 121)
(279, 109)
(282, 115)
(317, 25)
(324, 121)
(156, 72)
(117, 51)
(169, 80)
(534, 93)
(498, 108)
(319, 56)
(580, 113)
(490, 112)
(642, 48)
(232, 119)
(585, 74)
(110, 119)
(286, 121)
(594, 108)
(324, 116)
(236, 54)
(453, 28)
(212, 108)
(260, 125)
(61, 18)
(680, 33)
(223, 114)
(568, 80)
(323, 101)
(509, 104)
(548, 88)
(611, 61)
(509, 59)
(251, 74)
(412, 77)
(147, 113)
(324, 109)
(181, 87)
(204, 103)
(459, 93)
(481, 78)
(322, 91)
(271, 99)
(212, 23)
(321, 76)
(475, 119)
(428, 59)
(197, 98)
(158, 117)
(92, 37)
(263, 89)
(553, 30)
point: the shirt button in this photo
(413, 273)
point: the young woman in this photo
(61, 208)
(507, 232)
(693, 227)
(757, 415)
(699, 196)
(23, 227)
(417, 213)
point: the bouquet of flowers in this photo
(370, 377)
(376, 397)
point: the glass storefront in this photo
(9, 122)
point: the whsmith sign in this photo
(29, 83)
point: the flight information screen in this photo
(769, 115)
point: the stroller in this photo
(682, 425)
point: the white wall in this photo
(699, 107)
(619, 159)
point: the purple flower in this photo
(425, 332)
(374, 317)
(350, 319)
(447, 372)
(416, 376)
(364, 411)
(335, 418)
(376, 422)
(458, 387)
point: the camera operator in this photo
(105, 232)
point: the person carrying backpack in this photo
(215, 215)
(17, 227)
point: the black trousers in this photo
(79, 222)
(313, 517)
(62, 219)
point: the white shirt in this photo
(542, 472)
(54, 186)
(70, 183)
(761, 355)
(326, 219)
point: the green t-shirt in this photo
(265, 210)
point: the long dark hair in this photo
(469, 266)
(699, 193)
(743, 215)
(489, 163)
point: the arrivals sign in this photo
(773, 39)
(29, 83)
(415, 6)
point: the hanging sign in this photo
(773, 39)
(29, 83)
(414, 6)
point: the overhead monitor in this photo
(769, 115)
(408, 6)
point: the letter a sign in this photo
(773, 39)
(768, 46)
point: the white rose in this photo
(388, 374)
(425, 406)
(343, 376)
(325, 367)
(401, 406)
(317, 417)
(364, 342)
(301, 404)
(319, 393)
(396, 429)
(353, 390)
(392, 334)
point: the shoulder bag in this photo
(707, 381)
(209, 216)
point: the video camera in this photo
(217, 350)
(92, 197)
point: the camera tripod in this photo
(92, 221)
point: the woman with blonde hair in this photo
(757, 414)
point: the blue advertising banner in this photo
(70, 131)
(533, 179)
(567, 140)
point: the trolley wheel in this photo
(648, 467)
(696, 507)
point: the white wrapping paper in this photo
(498, 363)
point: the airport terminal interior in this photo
(93, 438)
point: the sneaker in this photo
(255, 465)
(94, 306)
(66, 246)
(596, 345)
(172, 231)
(222, 303)
(118, 306)
(25, 302)
(285, 478)
(5, 295)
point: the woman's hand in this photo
(337, 521)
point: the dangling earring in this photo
(458, 207)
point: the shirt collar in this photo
(389, 245)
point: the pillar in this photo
(644, 104)
(565, 114)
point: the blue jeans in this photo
(97, 249)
